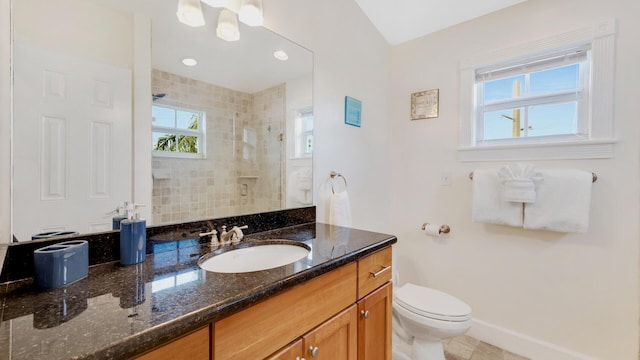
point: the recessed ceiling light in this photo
(189, 62)
(280, 55)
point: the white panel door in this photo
(72, 141)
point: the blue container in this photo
(133, 241)
(61, 264)
(116, 222)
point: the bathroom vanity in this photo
(333, 316)
(329, 304)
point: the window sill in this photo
(177, 155)
(587, 149)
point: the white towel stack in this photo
(518, 195)
(563, 203)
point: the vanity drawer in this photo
(373, 271)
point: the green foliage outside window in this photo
(180, 143)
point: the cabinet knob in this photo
(299, 358)
(313, 350)
(364, 313)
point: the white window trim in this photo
(601, 141)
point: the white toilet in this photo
(422, 317)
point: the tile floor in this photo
(467, 348)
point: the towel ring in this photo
(333, 175)
(594, 176)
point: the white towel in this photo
(563, 202)
(519, 182)
(488, 206)
(340, 209)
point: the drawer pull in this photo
(365, 313)
(384, 269)
(313, 350)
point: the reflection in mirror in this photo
(231, 135)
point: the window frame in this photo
(595, 133)
(300, 135)
(200, 133)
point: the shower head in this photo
(155, 97)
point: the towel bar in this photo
(333, 175)
(594, 177)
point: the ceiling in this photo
(403, 20)
(247, 65)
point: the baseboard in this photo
(521, 344)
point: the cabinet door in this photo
(374, 325)
(290, 352)
(335, 339)
(194, 346)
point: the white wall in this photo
(543, 294)
(350, 58)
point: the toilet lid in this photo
(432, 303)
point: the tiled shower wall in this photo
(238, 174)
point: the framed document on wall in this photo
(424, 104)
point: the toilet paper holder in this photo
(444, 229)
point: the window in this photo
(178, 132)
(545, 96)
(304, 132)
(547, 99)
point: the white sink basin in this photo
(263, 256)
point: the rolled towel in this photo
(563, 203)
(519, 183)
(488, 205)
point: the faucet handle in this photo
(214, 236)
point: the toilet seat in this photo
(431, 303)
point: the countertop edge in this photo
(175, 328)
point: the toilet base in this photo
(427, 350)
(418, 350)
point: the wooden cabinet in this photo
(292, 351)
(374, 325)
(374, 271)
(336, 339)
(264, 328)
(344, 314)
(193, 346)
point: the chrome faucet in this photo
(234, 235)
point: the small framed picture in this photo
(424, 104)
(352, 111)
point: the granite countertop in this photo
(121, 311)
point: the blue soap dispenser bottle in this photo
(133, 237)
(121, 214)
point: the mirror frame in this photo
(6, 34)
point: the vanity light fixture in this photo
(251, 12)
(216, 3)
(190, 12)
(228, 26)
(189, 62)
(280, 55)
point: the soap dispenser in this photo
(121, 214)
(133, 237)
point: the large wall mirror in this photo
(230, 135)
